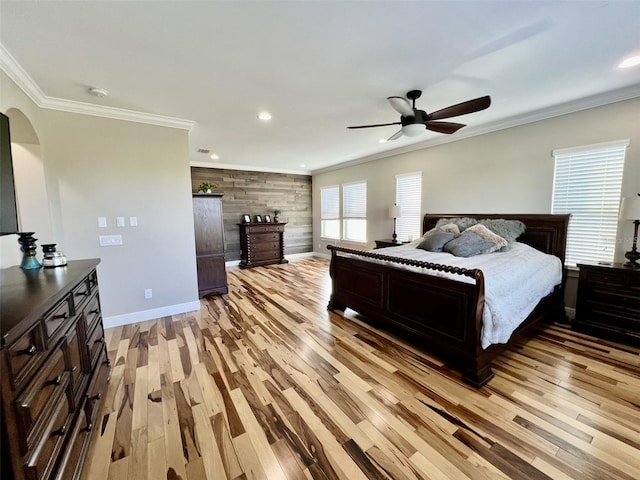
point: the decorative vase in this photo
(28, 248)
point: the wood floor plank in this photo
(265, 383)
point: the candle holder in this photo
(28, 248)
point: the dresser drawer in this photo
(41, 461)
(74, 360)
(257, 256)
(256, 238)
(72, 458)
(92, 313)
(265, 247)
(264, 228)
(81, 294)
(94, 346)
(56, 318)
(24, 355)
(50, 382)
(96, 387)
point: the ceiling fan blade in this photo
(463, 108)
(377, 125)
(395, 136)
(401, 105)
(444, 127)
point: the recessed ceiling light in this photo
(382, 140)
(214, 156)
(264, 116)
(302, 165)
(630, 62)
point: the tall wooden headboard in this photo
(545, 232)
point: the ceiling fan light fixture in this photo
(413, 130)
(629, 62)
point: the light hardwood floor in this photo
(264, 383)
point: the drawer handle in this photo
(82, 294)
(89, 427)
(59, 432)
(55, 381)
(97, 396)
(95, 311)
(28, 351)
(64, 315)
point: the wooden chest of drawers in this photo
(53, 369)
(608, 302)
(261, 244)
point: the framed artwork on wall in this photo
(246, 219)
(258, 219)
(267, 218)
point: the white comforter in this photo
(515, 281)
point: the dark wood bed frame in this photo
(437, 314)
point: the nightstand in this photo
(608, 303)
(387, 242)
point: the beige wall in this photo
(102, 167)
(508, 171)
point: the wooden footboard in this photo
(440, 314)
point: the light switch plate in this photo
(102, 222)
(120, 221)
(133, 221)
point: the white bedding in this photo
(515, 281)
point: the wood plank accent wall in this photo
(258, 193)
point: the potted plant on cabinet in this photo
(276, 212)
(206, 187)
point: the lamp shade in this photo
(395, 212)
(630, 208)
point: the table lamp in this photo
(395, 212)
(630, 210)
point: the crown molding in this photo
(593, 101)
(248, 168)
(15, 71)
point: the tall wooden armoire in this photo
(209, 230)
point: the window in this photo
(330, 212)
(354, 211)
(409, 198)
(587, 182)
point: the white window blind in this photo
(354, 211)
(330, 212)
(408, 198)
(587, 183)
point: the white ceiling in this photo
(319, 66)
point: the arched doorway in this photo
(32, 199)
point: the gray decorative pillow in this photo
(467, 244)
(435, 241)
(462, 222)
(510, 230)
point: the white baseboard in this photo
(322, 255)
(293, 256)
(144, 315)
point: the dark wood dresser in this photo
(608, 303)
(53, 368)
(209, 230)
(261, 244)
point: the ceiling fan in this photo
(414, 121)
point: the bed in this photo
(440, 314)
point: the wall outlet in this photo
(148, 293)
